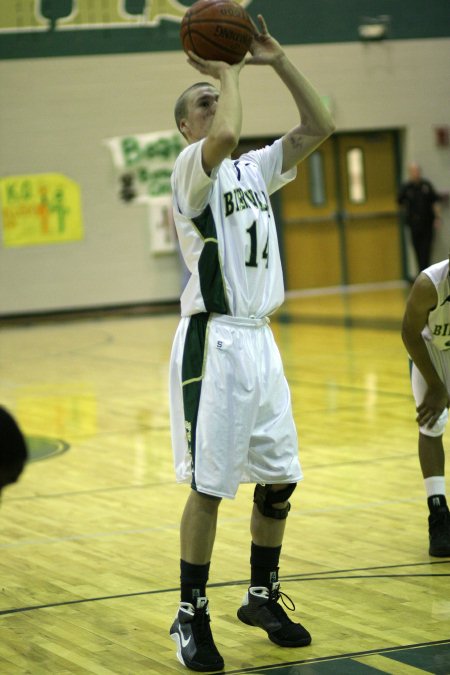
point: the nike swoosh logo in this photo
(447, 299)
(184, 642)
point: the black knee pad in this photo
(264, 498)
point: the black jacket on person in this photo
(418, 198)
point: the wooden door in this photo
(340, 222)
(369, 214)
(312, 241)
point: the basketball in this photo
(217, 30)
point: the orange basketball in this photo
(217, 30)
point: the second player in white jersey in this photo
(437, 329)
(426, 335)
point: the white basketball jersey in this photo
(227, 232)
(437, 329)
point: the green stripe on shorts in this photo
(192, 375)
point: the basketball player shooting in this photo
(231, 415)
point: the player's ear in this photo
(184, 126)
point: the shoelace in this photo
(276, 595)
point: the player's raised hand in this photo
(264, 48)
(212, 68)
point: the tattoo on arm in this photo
(296, 140)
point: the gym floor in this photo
(89, 563)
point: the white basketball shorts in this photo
(441, 362)
(230, 406)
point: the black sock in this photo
(436, 503)
(264, 565)
(193, 581)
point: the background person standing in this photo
(420, 203)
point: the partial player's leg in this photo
(198, 528)
(432, 462)
(274, 460)
(261, 605)
(190, 630)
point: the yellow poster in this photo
(40, 209)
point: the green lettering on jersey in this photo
(240, 200)
(249, 194)
(263, 205)
(229, 206)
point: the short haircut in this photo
(181, 102)
(13, 449)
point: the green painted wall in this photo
(59, 27)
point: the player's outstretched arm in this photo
(316, 123)
(224, 132)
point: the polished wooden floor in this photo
(89, 536)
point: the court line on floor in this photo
(104, 339)
(337, 387)
(93, 491)
(349, 289)
(312, 576)
(171, 483)
(369, 569)
(338, 657)
(373, 460)
(175, 526)
(339, 321)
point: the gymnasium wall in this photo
(57, 111)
